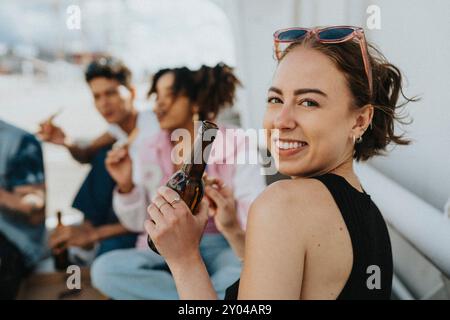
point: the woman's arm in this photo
(236, 239)
(131, 208)
(223, 208)
(275, 246)
(231, 204)
(85, 154)
(192, 279)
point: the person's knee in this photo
(102, 271)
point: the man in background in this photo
(109, 81)
(22, 207)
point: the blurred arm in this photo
(131, 208)
(85, 154)
(25, 194)
(26, 201)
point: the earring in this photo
(195, 117)
(359, 140)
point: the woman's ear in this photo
(363, 120)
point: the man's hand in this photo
(84, 236)
(118, 163)
(50, 133)
(26, 201)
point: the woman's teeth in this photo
(289, 145)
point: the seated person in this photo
(182, 96)
(22, 207)
(110, 83)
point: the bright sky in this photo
(147, 34)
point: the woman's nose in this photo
(158, 106)
(285, 119)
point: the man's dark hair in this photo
(110, 68)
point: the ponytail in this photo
(216, 89)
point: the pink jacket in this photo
(155, 165)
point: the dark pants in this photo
(12, 269)
(94, 199)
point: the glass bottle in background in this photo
(61, 259)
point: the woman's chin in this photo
(165, 126)
(292, 169)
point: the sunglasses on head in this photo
(336, 34)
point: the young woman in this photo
(317, 235)
(182, 97)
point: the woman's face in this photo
(172, 112)
(309, 102)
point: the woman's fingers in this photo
(213, 181)
(226, 191)
(215, 196)
(168, 194)
(156, 215)
(173, 198)
(150, 227)
(158, 201)
(202, 214)
(219, 184)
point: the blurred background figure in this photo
(110, 83)
(182, 97)
(22, 207)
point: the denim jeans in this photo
(143, 274)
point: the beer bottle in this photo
(61, 259)
(187, 181)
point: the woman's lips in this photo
(288, 147)
(160, 115)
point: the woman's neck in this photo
(129, 123)
(345, 170)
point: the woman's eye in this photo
(309, 103)
(274, 100)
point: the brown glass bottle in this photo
(61, 260)
(187, 181)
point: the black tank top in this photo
(372, 270)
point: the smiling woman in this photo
(326, 234)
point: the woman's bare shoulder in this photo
(294, 203)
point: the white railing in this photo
(427, 229)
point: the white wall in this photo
(415, 35)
